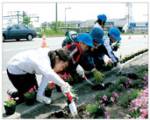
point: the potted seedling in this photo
(98, 83)
(30, 96)
(10, 106)
(99, 76)
(48, 91)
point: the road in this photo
(9, 49)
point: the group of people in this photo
(80, 54)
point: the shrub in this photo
(132, 56)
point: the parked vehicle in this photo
(19, 32)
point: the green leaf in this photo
(92, 108)
(29, 95)
(135, 113)
(10, 103)
(99, 76)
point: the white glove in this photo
(80, 71)
(43, 99)
(66, 88)
(107, 60)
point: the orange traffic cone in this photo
(44, 44)
(129, 37)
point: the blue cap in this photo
(97, 34)
(102, 17)
(115, 33)
(86, 39)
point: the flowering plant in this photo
(114, 97)
(31, 93)
(10, 102)
(65, 76)
(10, 106)
(140, 105)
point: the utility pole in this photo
(67, 8)
(129, 6)
(56, 17)
(18, 16)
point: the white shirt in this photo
(35, 61)
(98, 25)
(31, 61)
(109, 49)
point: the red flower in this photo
(51, 85)
(33, 89)
(144, 113)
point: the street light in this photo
(67, 8)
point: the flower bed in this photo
(119, 97)
(126, 93)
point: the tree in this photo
(26, 20)
(59, 24)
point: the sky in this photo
(78, 11)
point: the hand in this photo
(107, 60)
(66, 88)
(80, 71)
(115, 46)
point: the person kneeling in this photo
(23, 67)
